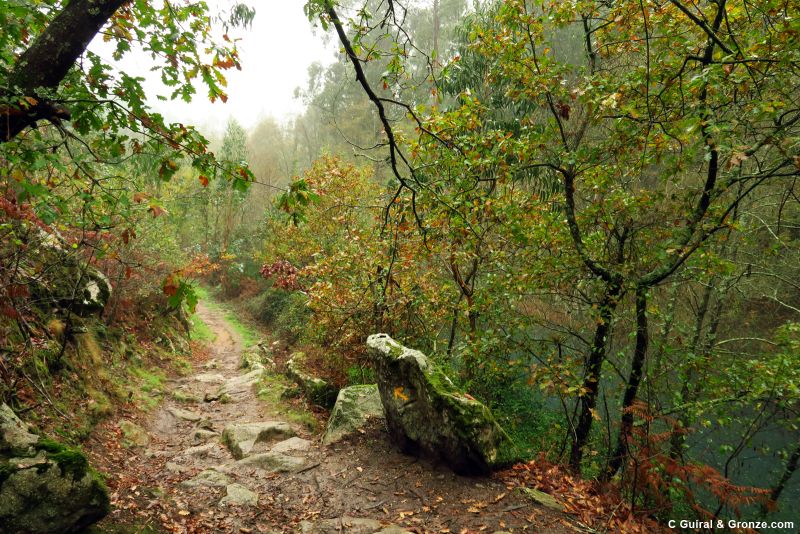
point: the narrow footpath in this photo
(214, 457)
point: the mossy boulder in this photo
(60, 277)
(426, 413)
(355, 405)
(45, 486)
(316, 389)
(257, 357)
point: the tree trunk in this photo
(632, 389)
(791, 467)
(48, 60)
(591, 380)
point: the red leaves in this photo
(170, 285)
(285, 275)
(127, 235)
(594, 505)
(156, 210)
(225, 64)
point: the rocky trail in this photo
(214, 457)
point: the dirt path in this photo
(275, 476)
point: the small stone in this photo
(209, 477)
(210, 378)
(200, 451)
(175, 467)
(542, 498)
(201, 435)
(186, 415)
(291, 444)
(316, 389)
(238, 495)
(274, 462)
(132, 434)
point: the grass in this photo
(270, 389)
(246, 330)
(200, 331)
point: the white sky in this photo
(275, 54)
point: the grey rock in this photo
(242, 383)
(351, 525)
(209, 477)
(542, 498)
(210, 378)
(174, 467)
(186, 415)
(291, 444)
(426, 413)
(200, 451)
(201, 435)
(316, 389)
(241, 438)
(238, 495)
(273, 462)
(355, 405)
(14, 434)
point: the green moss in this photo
(70, 461)
(152, 380)
(6, 470)
(270, 391)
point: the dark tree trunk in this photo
(591, 381)
(48, 60)
(632, 389)
(791, 467)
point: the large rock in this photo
(355, 405)
(241, 439)
(60, 277)
(426, 413)
(44, 486)
(316, 389)
(15, 438)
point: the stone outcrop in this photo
(355, 405)
(45, 487)
(426, 413)
(68, 282)
(257, 357)
(316, 389)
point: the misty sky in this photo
(275, 54)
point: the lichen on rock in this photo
(316, 389)
(355, 405)
(426, 413)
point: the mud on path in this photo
(184, 478)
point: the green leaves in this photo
(296, 199)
